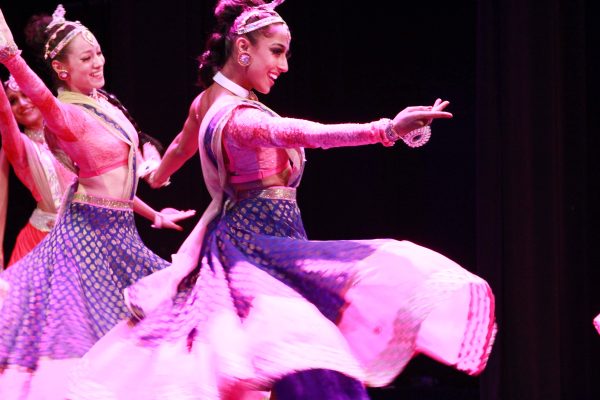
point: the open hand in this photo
(167, 218)
(418, 116)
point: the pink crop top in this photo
(82, 137)
(255, 141)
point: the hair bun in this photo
(35, 32)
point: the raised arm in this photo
(180, 150)
(12, 138)
(251, 127)
(32, 85)
(55, 116)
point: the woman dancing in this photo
(65, 294)
(250, 303)
(28, 153)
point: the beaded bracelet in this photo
(390, 133)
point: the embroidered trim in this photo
(274, 193)
(103, 202)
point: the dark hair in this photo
(36, 38)
(218, 45)
(144, 137)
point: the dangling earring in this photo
(244, 59)
(63, 75)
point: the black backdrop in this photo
(506, 188)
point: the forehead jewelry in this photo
(266, 16)
(58, 19)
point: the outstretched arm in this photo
(32, 85)
(251, 127)
(180, 150)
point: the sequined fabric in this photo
(67, 293)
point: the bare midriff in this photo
(280, 179)
(110, 184)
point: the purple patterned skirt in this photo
(68, 291)
(264, 302)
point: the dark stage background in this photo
(508, 188)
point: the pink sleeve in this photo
(55, 116)
(12, 139)
(251, 127)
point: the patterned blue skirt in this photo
(68, 291)
(264, 302)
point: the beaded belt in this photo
(42, 220)
(103, 202)
(275, 193)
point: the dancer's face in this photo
(269, 57)
(84, 64)
(26, 114)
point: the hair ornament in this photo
(58, 19)
(12, 84)
(266, 16)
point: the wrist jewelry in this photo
(8, 51)
(390, 132)
(417, 137)
(388, 135)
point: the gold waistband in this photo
(275, 193)
(103, 202)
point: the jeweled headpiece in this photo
(58, 19)
(12, 84)
(266, 16)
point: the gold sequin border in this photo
(103, 202)
(274, 193)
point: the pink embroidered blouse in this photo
(82, 137)
(255, 142)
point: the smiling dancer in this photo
(34, 164)
(250, 303)
(68, 291)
